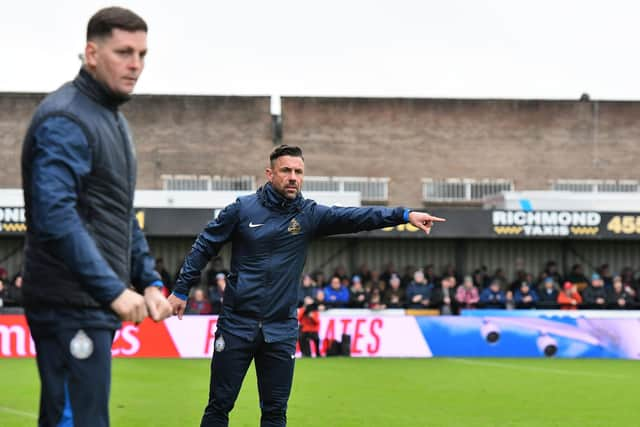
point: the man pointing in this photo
(270, 232)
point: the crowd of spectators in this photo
(419, 288)
(10, 289)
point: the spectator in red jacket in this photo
(198, 303)
(309, 319)
(569, 298)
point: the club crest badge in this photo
(81, 346)
(294, 227)
(219, 344)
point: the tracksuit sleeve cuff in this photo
(183, 297)
(405, 215)
(157, 284)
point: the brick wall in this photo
(530, 142)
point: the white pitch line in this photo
(536, 369)
(16, 412)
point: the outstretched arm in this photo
(339, 220)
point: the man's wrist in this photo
(157, 285)
(178, 295)
(405, 215)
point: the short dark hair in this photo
(285, 150)
(105, 20)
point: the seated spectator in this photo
(479, 279)
(320, 300)
(525, 297)
(308, 289)
(577, 277)
(419, 291)
(467, 294)
(357, 294)
(309, 319)
(493, 296)
(430, 274)
(341, 272)
(216, 293)
(394, 296)
(450, 271)
(618, 297)
(319, 279)
(407, 276)
(216, 266)
(443, 297)
(375, 300)
(594, 295)
(501, 276)
(551, 270)
(388, 271)
(521, 276)
(628, 282)
(569, 298)
(198, 303)
(607, 277)
(374, 282)
(13, 294)
(336, 295)
(548, 293)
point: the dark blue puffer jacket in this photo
(270, 236)
(83, 245)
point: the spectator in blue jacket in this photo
(84, 246)
(357, 294)
(270, 232)
(419, 291)
(336, 295)
(548, 293)
(525, 296)
(493, 296)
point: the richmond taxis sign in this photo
(546, 223)
(12, 220)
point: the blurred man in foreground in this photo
(83, 245)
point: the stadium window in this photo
(207, 183)
(371, 189)
(595, 186)
(462, 190)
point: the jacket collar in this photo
(97, 91)
(270, 198)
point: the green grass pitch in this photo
(340, 392)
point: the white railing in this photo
(595, 186)
(207, 183)
(457, 190)
(371, 189)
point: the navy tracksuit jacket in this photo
(270, 236)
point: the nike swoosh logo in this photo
(252, 225)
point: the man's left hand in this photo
(424, 221)
(157, 305)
